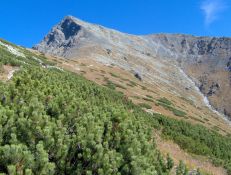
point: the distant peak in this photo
(69, 26)
(69, 17)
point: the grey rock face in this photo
(194, 46)
(62, 37)
(229, 65)
(206, 60)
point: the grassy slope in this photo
(34, 80)
(54, 122)
(145, 93)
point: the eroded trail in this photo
(8, 72)
(11, 74)
(192, 161)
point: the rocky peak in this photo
(197, 56)
(63, 36)
(69, 27)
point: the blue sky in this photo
(25, 22)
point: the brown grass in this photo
(142, 89)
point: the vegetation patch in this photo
(110, 85)
(188, 100)
(149, 96)
(132, 83)
(178, 112)
(148, 99)
(145, 105)
(136, 97)
(143, 88)
(114, 75)
(197, 119)
(198, 140)
(164, 102)
(120, 86)
(1, 68)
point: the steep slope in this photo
(207, 61)
(56, 122)
(142, 92)
(169, 61)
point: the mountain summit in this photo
(184, 65)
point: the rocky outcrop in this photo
(159, 58)
(229, 65)
(188, 45)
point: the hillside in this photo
(54, 122)
(144, 92)
(57, 122)
(182, 65)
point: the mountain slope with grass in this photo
(53, 121)
(183, 65)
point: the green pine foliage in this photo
(198, 140)
(181, 169)
(165, 101)
(169, 106)
(56, 122)
(145, 105)
(170, 162)
(1, 68)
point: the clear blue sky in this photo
(25, 22)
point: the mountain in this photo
(182, 65)
(54, 121)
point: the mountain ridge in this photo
(157, 33)
(204, 59)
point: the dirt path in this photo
(192, 161)
(8, 72)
